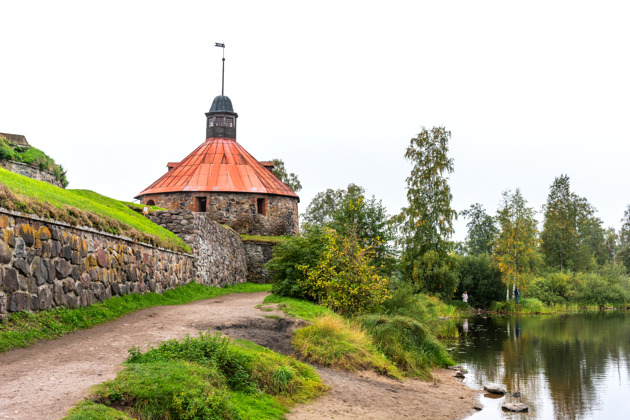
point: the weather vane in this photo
(222, 45)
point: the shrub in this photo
(407, 343)
(480, 279)
(329, 269)
(531, 305)
(551, 288)
(335, 342)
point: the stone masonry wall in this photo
(30, 171)
(46, 264)
(258, 253)
(219, 254)
(237, 210)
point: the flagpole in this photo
(222, 45)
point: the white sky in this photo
(530, 90)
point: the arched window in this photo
(150, 203)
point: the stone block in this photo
(62, 269)
(3, 303)
(39, 270)
(20, 301)
(10, 280)
(59, 296)
(4, 221)
(22, 266)
(46, 250)
(20, 248)
(76, 257)
(9, 237)
(55, 249)
(72, 301)
(83, 248)
(55, 233)
(66, 252)
(102, 258)
(27, 234)
(43, 233)
(50, 267)
(5, 253)
(75, 273)
(44, 297)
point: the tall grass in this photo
(335, 342)
(407, 343)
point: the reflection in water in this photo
(571, 367)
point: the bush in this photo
(480, 279)
(341, 277)
(333, 341)
(531, 305)
(407, 343)
(551, 288)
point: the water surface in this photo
(566, 367)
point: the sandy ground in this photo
(45, 380)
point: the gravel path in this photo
(45, 380)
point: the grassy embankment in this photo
(399, 341)
(32, 156)
(82, 208)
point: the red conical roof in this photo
(219, 164)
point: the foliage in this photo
(481, 279)
(351, 213)
(551, 289)
(624, 238)
(210, 377)
(297, 308)
(482, 230)
(23, 329)
(426, 224)
(337, 343)
(89, 410)
(303, 250)
(572, 237)
(515, 249)
(82, 208)
(321, 266)
(407, 343)
(281, 173)
(33, 157)
(597, 289)
(343, 279)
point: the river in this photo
(575, 366)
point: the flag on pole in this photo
(218, 44)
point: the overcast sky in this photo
(114, 90)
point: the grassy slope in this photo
(31, 156)
(82, 208)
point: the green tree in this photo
(624, 239)
(572, 237)
(426, 224)
(351, 214)
(281, 173)
(482, 230)
(515, 249)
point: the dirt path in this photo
(44, 381)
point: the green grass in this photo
(297, 308)
(137, 207)
(23, 329)
(208, 377)
(88, 410)
(32, 156)
(268, 239)
(82, 208)
(407, 343)
(338, 343)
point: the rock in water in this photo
(494, 389)
(516, 407)
(459, 375)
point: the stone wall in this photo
(30, 171)
(46, 264)
(219, 254)
(258, 253)
(237, 210)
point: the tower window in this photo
(200, 204)
(220, 121)
(261, 206)
(210, 122)
(229, 122)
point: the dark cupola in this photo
(221, 119)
